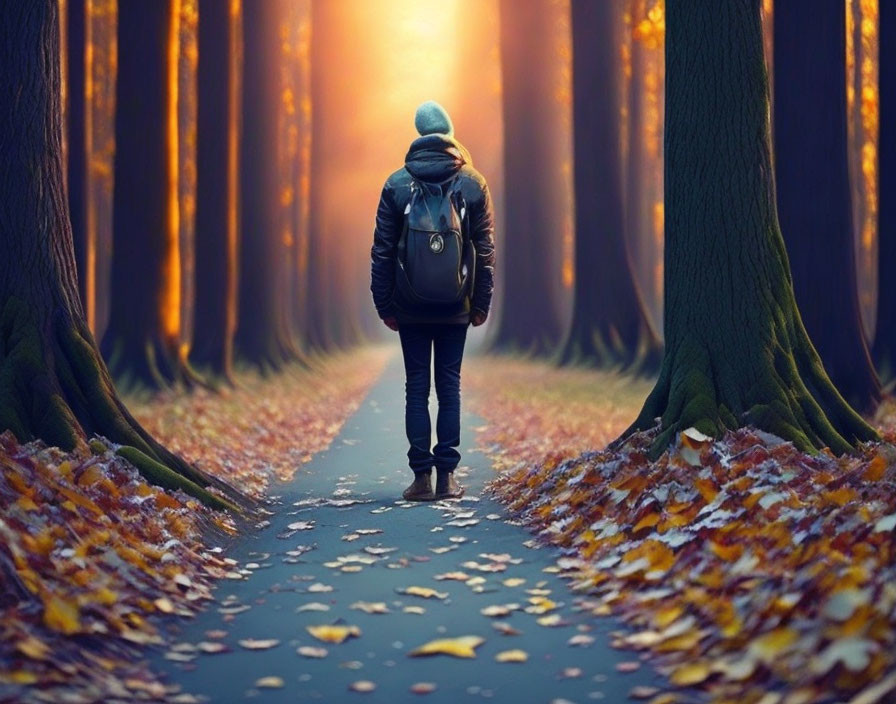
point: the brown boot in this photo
(420, 489)
(447, 486)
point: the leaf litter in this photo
(91, 552)
(742, 566)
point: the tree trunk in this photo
(76, 151)
(814, 193)
(331, 308)
(609, 323)
(53, 383)
(533, 178)
(218, 168)
(260, 337)
(736, 350)
(885, 338)
(142, 342)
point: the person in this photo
(437, 186)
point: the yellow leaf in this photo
(425, 592)
(463, 647)
(516, 655)
(333, 634)
(876, 469)
(649, 521)
(769, 646)
(61, 615)
(690, 674)
(728, 553)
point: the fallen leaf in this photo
(463, 647)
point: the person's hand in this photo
(391, 323)
(477, 318)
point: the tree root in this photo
(784, 392)
(54, 386)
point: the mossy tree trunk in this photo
(53, 383)
(885, 338)
(217, 186)
(142, 341)
(814, 192)
(736, 350)
(261, 339)
(609, 322)
(533, 175)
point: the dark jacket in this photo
(433, 158)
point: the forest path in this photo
(365, 464)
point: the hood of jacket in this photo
(434, 158)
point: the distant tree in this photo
(736, 350)
(218, 170)
(261, 336)
(814, 193)
(331, 301)
(142, 343)
(533, 172)
(609, 321)
(885, 337)
(53, 383)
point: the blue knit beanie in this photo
(432, 118)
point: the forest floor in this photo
(730, 570)
(90, 553)
(746, 571)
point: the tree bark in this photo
(736, 350)
(261, 339)
(142, 342)
(609, 323)
(77, 157)
(814, 193)
(885, 337)
(217, 201)
(53, 383)
(533, 194)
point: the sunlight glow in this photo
(171, 291)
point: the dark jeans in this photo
(418, 341)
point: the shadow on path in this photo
(365, 464)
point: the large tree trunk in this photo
(885, 338)
(609, 322)
(533, 179)
(814, 193)
(53, 383)
(142, 343)
(261, 338)
(76, 149)
(218, 169)
(736, 350)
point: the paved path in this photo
(286, 593)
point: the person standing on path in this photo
(432, 272)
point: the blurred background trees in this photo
(243, 145)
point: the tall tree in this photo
(814, 193)
(76, 145)
(533, 178)
(885, 337)
(261, 338)
(609, 321)
(332, 300)
(217, 197)
(142, 343)
(53, 383)
(736, 349)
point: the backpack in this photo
(435, 256)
